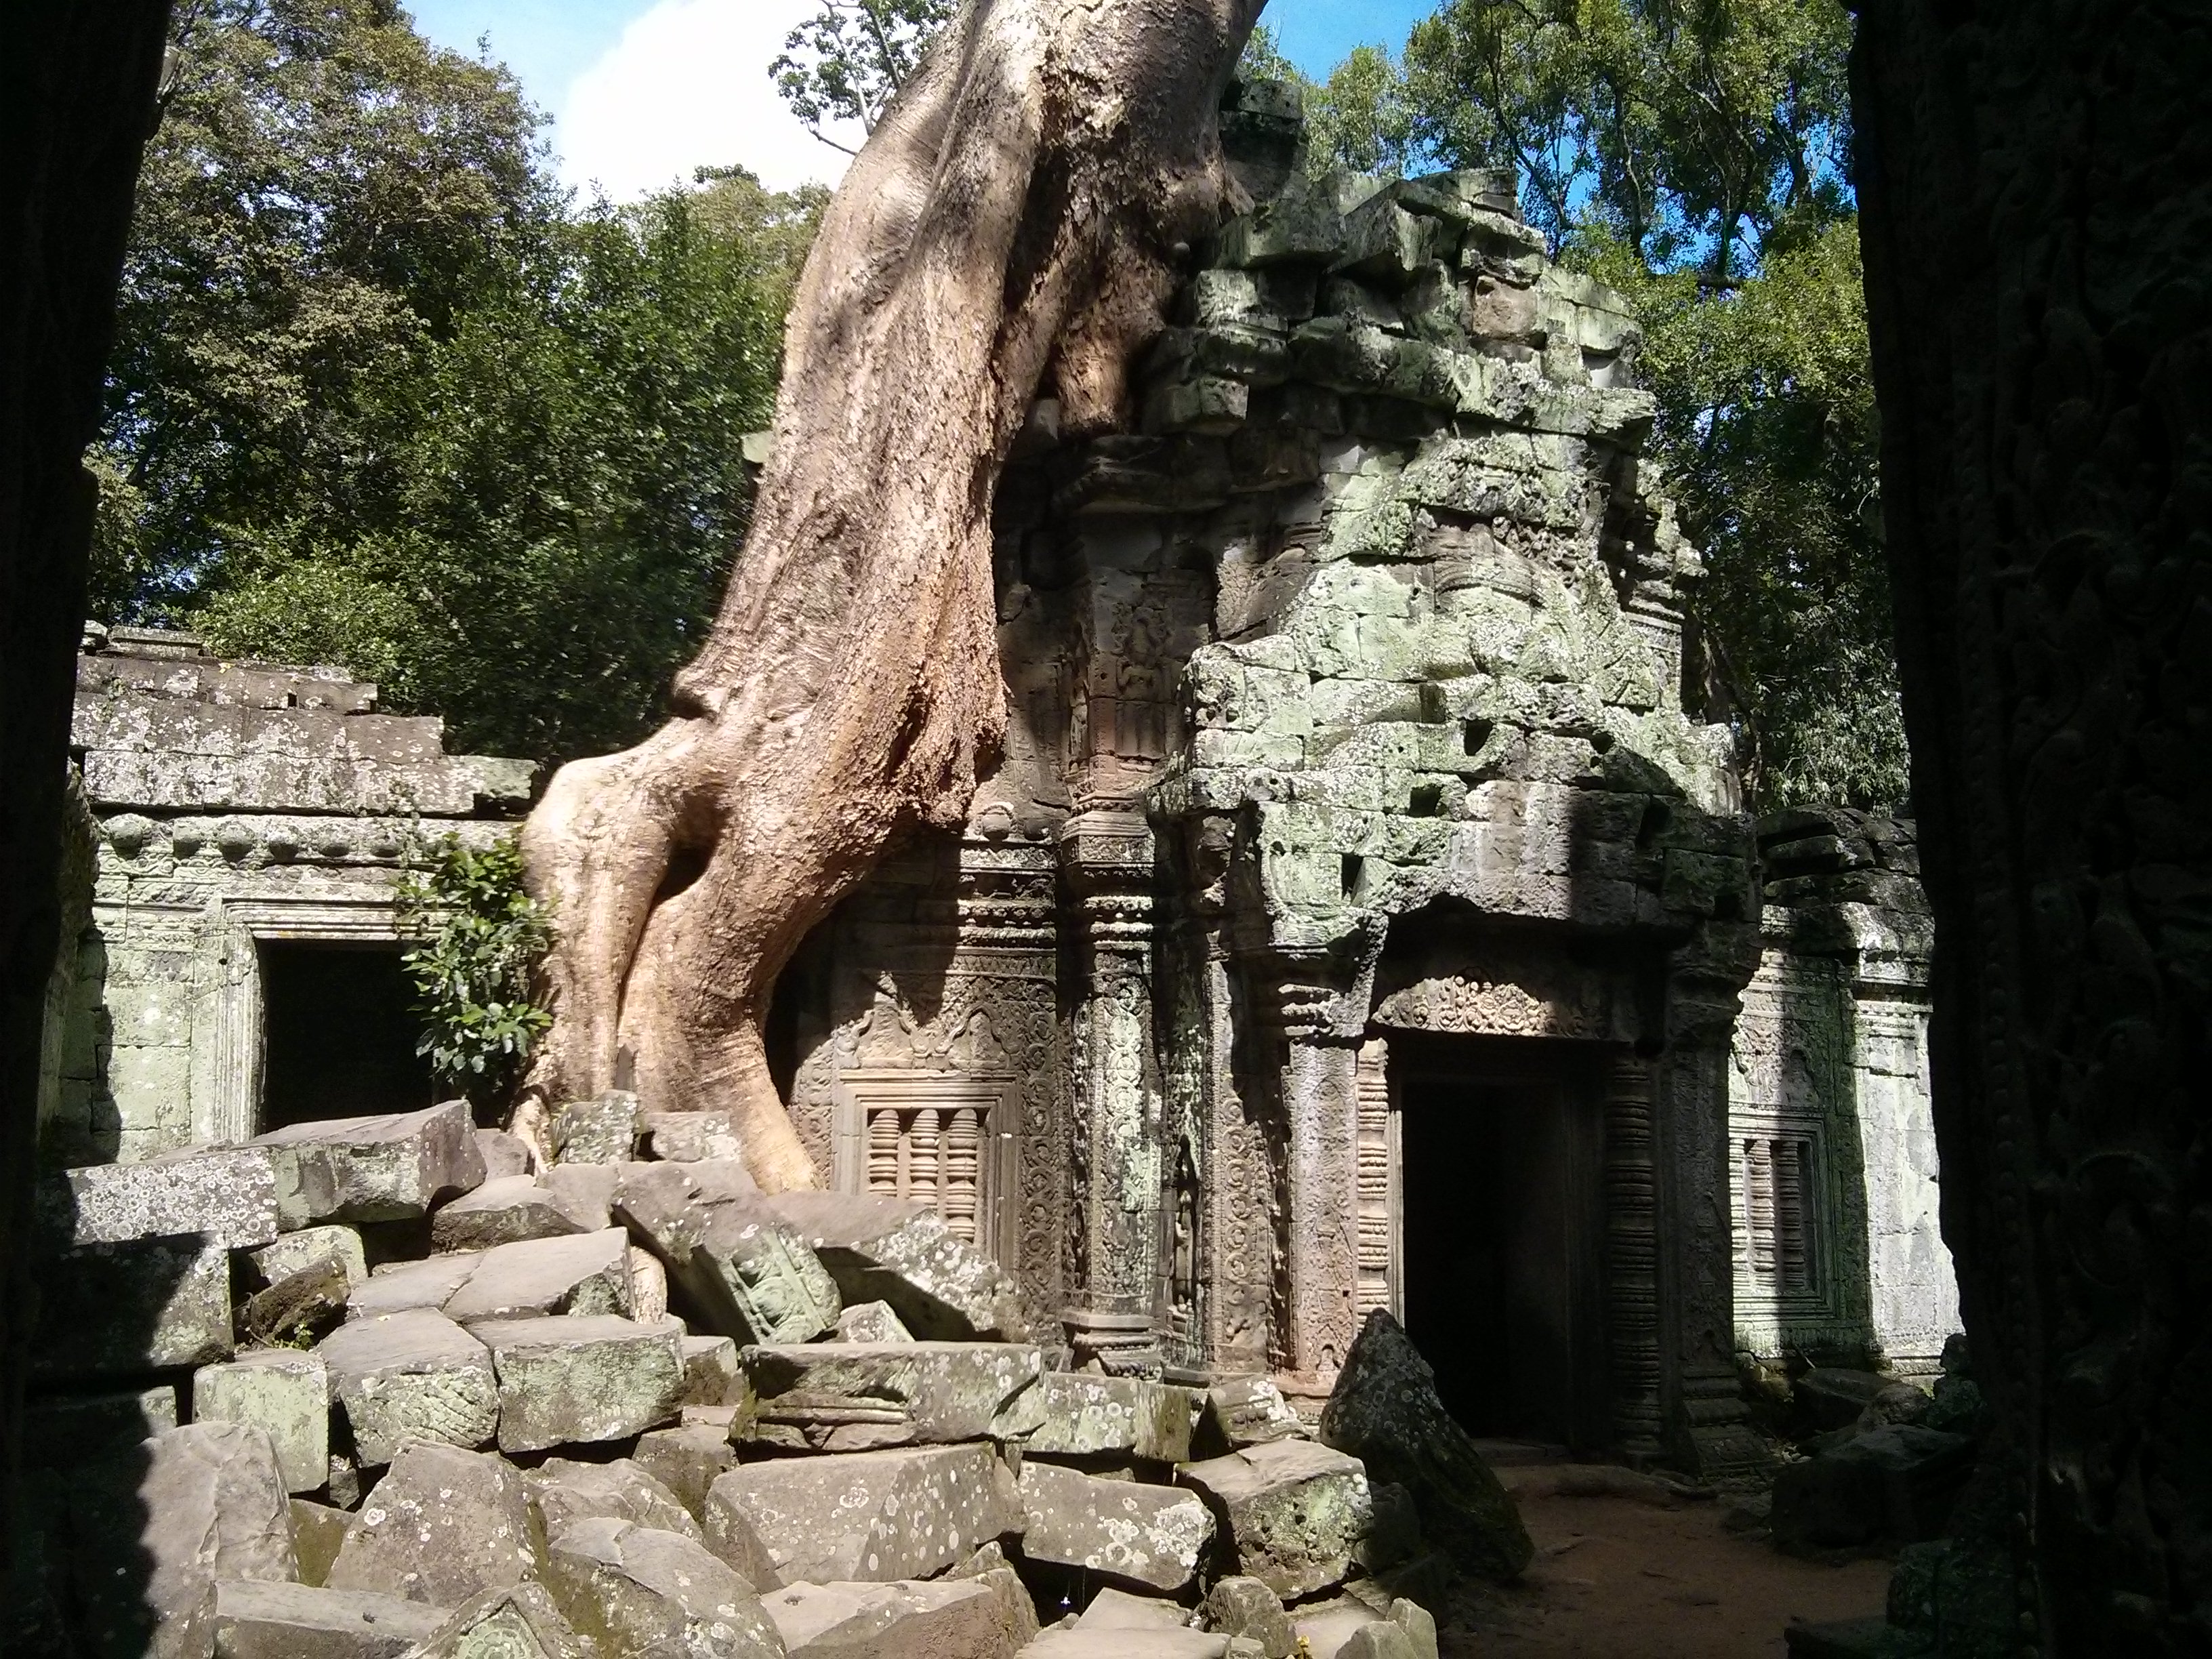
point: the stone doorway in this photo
(1500, 1147)
(339, 1032)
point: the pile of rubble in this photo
(448, 1411)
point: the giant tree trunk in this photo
(2035, 185)
(1018, 213)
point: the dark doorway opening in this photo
(339, 1032)
(1500, 1144)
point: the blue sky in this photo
(643, 91)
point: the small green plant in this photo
(482, 936)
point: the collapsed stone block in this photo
(1117, 1626)
(1290, 1511)
(876, 1516)
(687, 1461)
(66, 1431)
(710, 1370)
(299, 1306)
(227, 1194)
(584, 1191)
(946, 1618)
(600, 1130)
(691, 1137)
(847, 1397)
(564, 1491)
(318, 1530)
(636, 1592)
(885, 1251)
(163, 1304)
(284, 1394)
(443, 1525)
(519, 1622)
(572, 1381)
(1244, 1410)
(309, 1247)
(1897, 1482)
(503, 1154)
(1087, 1415)
(872, 1321)
(586, 1274)
(501, 1212)
(648, 1286)
(747, 1276)
(159, 1527)
(399, 1286)
(393, 1167)
(259, 1620)
(1153, 1536)
(411, 1376)
(1245, 1606)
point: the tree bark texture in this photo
(76, 102)
(2035, 184)
(1015, 219)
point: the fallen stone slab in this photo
(257, 1621)
(586, 1274)
(411, 1376)
(318, 1529)
(564, 1491)
(503, 1154)
(691, 1137)
(1117, 1609)
(599, 1131)
(1245, 1411)
(648, 1288)
(1328, 1629)
(1834, 1396)
(163, 1304)
(842, 1397)
(1087, 1415)
(393, 1167)
(309, 1247)
(740, 1271)
(403, 1286)
(443, 1525)
(300, 1307)
(1243, 1606)
(586, 1192)
(585, 1378)
(1385, 1411)
(1898, 1483)
(158, 1528)
(1290, 1512)
(642, 1593)
(877, 1516)
(944, 1618)
(872, 1321)
(687, 1461)
(225, 1194)
(284, 1393)
(881, 1249)
(502, 1212)
(1152, 1536)
(66, 1431)
(518, 1622)
(711, 1376)
(1109, 1643)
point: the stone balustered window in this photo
(940, 1140)
(1777, 1178)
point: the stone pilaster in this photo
(1631, 1259)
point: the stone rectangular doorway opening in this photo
(339, 1032)
(1501, 1231)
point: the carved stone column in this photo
(1114, 1217)
(1631, 1250)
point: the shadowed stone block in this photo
(393, 1167)
(588, 1274)
(1247, 1608)
(501, 1212)
(63, 1430)
(881, 1249)
(443, 1525)
(601, 1131)
(1245, 1411)
(842, 1397)
(564, 1491)
(710, 1370)
(162, 1303)
(687, 1461)
(318, 1530)
(227, 1193)
(284, 1394)
(946, 1618)
(874, 1515)
(519, 1622)
(565, 1382)
(634, 1591)
(1154, 1536)
(1291, 1512)
(747, 1276)
(1087, 1415)
(295, 1621)
(411, 1376)
(157, 1530)
(411, 1284)
(309, 1247)
(872, 1321)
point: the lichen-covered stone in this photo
(318, 1530)
(297, 1251)
(841, 1397)
(710, 1370)
(1290, 1512)
(227, 1194)
(411, 1376)
(564, 1491)
(1152, 1536)
(599, 1131)
(746, 1274)
(260, 1620)
(944, 1618)
(1245, 1411)
(393, 1167)
(396, 1287)
(643, 1593)
(691, 1137)
(443, 1525)
(581, 1379)
(872, 1321)
(879, 1516)
(519, 1621)
(686, 1460)
(284, 1394)
(880, 1250)
(1237, 1606)
(163, 1304)
(500, 1211)
(1088, 1415)
(583, 1274)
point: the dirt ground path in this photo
(1623, 1577)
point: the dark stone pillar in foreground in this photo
(2035, 182)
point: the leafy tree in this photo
(483, 937)
(844, 63)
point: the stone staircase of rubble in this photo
(411, 1400)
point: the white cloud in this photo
(687, 86)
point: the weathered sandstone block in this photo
(297, 1251)
(601, 1131)
(228, 1195)
(518, 1622)
(1247, 1608)
(655, 1595)
(374, 1168)
(946, 1618)
(841, 1397)
(318, 1530)
(564, 1491)
(399, 1286)
(1151, 1536)
(743, 1274)
(443, 1525)
(1291, 1512)
(571, 1381)
(687, 1461)
(872, 1321)
(411, 1376)
(1087, 1415)
(710, 1370)
(588, 1273)
(258, 1620)
(501, 1212)
(1245, 1411)
(284, 1393)
(691, 1137)
(163, 1304)
(70, 1430)
(885, 1250)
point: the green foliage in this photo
(843, 64)
(482, 936)
(419, 417)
